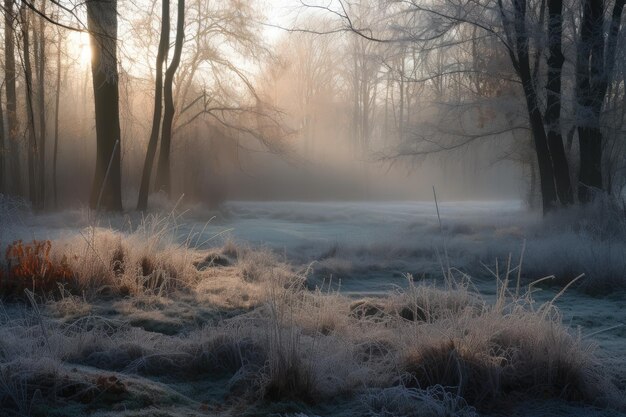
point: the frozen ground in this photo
(369, 246)
(365, 250)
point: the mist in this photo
(384, 208)
(270, 114)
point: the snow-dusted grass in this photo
(434, 401)
(360, 241)
(161, 325)
(145, 261)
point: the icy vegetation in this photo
(369, 246)
(162, 320)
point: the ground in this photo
(318, 309)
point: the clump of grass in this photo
(19, 390)
(214, 355)
(146, 261)
(471, 376)
(287, 376)
(30, 266)
(420, 303)
(258, 265)
(310, 354)
(422, 350)
(509, 348)
(230, 248)
(400, 401)
(213, 260)
(68, 306)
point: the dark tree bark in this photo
(57, 99)
(590, 59)
(32, 151)
(163, 177)
(611, 49)
(40, 64)
(164, 43)
(522, 64)
(594, 71)
(552, 117)
(613, 36)
(533, 185)
(401, 99)
(15, 185)
(106, 191)
(2, 149)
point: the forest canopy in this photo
(108, 102)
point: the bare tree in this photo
(40, 69)
(594, 70)
(164, 42)
(363, 76)
(163, 177)
(514, 24)
(32, 149)
(57, 102)
(11, 97)
(106, 191)
(552, 115)
(2, 147)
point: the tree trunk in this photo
(594, 71)
(2, 149)
(544, 161)
(402, 93)
(356, 135)
(106, 191)
(57, 100)
(590, 63)
(15, 186)
(164, 43)
(40, 56)
(163, 177)
(32, 135)
(552, 117)
(611, 43)
(533, 185)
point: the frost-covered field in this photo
(285, 308)
(361, 243)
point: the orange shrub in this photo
(28, 265)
